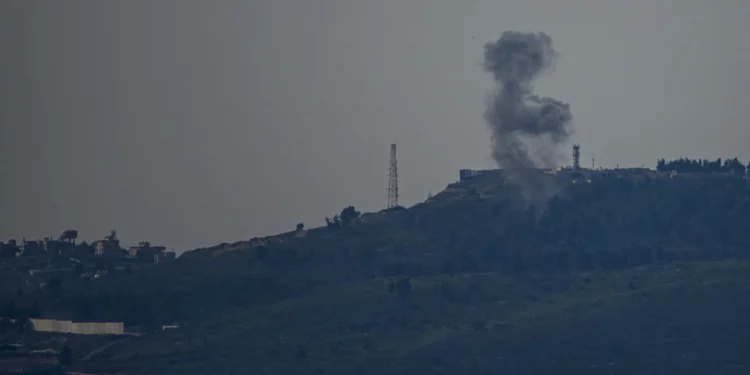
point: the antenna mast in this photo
(393, 179)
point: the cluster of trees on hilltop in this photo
(348, 215)
(684, 165)
(610, 223)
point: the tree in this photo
(8, 310)
(9, 250)
(65, 357)
(300, 227)
(661, 165)
(334, 222)
(35, 311)
(22, 323)
(733, 166)
(348, 215)
(84, 248)
(684, 165)
(54, 284)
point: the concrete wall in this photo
(108, 328)
(66, 326)
(50, 325)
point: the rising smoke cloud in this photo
(527, 130)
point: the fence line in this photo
(83, 328)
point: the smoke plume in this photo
(527, 130)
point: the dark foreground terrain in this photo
(684, 318)
(620, 275)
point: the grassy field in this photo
(685, 318)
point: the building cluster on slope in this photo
(42, 264)
(65, 245)
(62, 256)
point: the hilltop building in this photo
(69, 236)
(144, 251)
(29, 248)
(465, 174)
(109, 246)
(8, 250)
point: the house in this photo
(8, 250)
(144, 251)
(141, 249)
(69, 235)
(52, 246)
(32, 247)
(109, 246)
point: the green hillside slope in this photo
(618, 276)
(681, 318)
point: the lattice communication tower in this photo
(576, 157)
(393, 179)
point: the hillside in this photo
(682, 318)
(625, 274)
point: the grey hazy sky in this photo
(190, 123)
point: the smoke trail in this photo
(527, 130)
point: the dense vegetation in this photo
(684, 165)
(620, 275)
